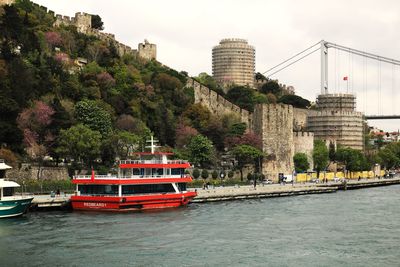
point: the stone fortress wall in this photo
(303, 142)
(216, 103)
(276, 124)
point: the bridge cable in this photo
(297, 60)
(292, 57)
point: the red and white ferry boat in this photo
(150, 182)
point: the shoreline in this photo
(230, 193)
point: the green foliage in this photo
(196, 173)
(204, 174)
(209, 81)
(201, 150)
(320, 156)
(238, 129)
(214, 174)
(80, 143)
(231, 174)
(301, 163)
(332, 151)
(245, 154)
(352, 158)
(250, 176)
(295, 101)
(390, 155)
(97, 23)
(90, 113)
(260, 77)
(242, 96)
(271, 87)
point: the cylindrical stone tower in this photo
(233, 62)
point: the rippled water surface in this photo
(353, 228)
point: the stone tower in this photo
(233, 62)
(337, 121)
(83, 22)
(147, 50)
(274, 123)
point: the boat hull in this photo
(15, 207)
(131, 203)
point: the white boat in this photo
(10, 204)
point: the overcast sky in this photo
(186, 31)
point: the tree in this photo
(260, 77)
(34, 123)
(79, 143)
(200, 150)
(353, 159)
(295, 101)
(301, 162)
(242, 96)
(245, 154)
(237, 129)
(90, 113)
(320, 156)
(184, 134)
(204, 174)
(97, 22)
(214, 174)
(271, 87)
(196, 173)
(231, 174)
(332, 151)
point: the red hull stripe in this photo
(133, 181)
(154, 166)
(131, 203)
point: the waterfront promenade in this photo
(281, 190)
(225, 193)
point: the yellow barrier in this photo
(330, 176)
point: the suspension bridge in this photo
(371, 77)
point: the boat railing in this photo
(113, 177)
(152, 161)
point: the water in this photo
(353, 228)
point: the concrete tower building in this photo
(337, 121)
(233, 62)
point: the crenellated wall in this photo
(216, 103)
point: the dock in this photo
(49, 202)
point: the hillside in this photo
(68, 95)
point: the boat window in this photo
(136, 171)
(98, 189)
(176, 171)
(147, 189)
(8, 191)
(182, 187)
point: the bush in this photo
(214, 174)
(231, 174)
(196, 173)
(204, 174)
(250, 176)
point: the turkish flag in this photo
(345, 78)
(92, 178)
